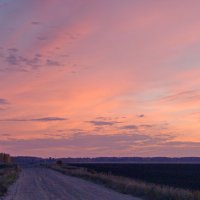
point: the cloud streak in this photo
(129, 127)
(90, 142)
(44, 119)
(103, 123)
(3, 101)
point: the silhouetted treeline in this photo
(35, 160)
(5, 158)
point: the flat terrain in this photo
(186, 176)
(46, 184)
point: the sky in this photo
(89, 78)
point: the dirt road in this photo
(46, 184)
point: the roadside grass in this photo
(129, 186)
(8, 175)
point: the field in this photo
(122, 179)
(8, 174)
(185, 176)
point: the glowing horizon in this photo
(99, 78)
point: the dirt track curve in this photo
(46, 184)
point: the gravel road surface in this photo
(46, 184)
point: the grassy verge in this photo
(8, 174)
(129, 186)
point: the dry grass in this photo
(129, 186)
(8, 174)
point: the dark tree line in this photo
(5, 158)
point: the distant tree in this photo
(5, 158)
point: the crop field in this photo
(186, 176)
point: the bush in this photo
(8, 174)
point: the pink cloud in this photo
(85, 59)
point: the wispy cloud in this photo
(129, 127)
(44, 119)
(3, 101)
(49, 119)
(16, 61)
(184, 96)
(90, 142)
(103, 123)
(52, 63)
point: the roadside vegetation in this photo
(185, 176)
(8, 173)
(147, 191)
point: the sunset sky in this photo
(100, 77)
